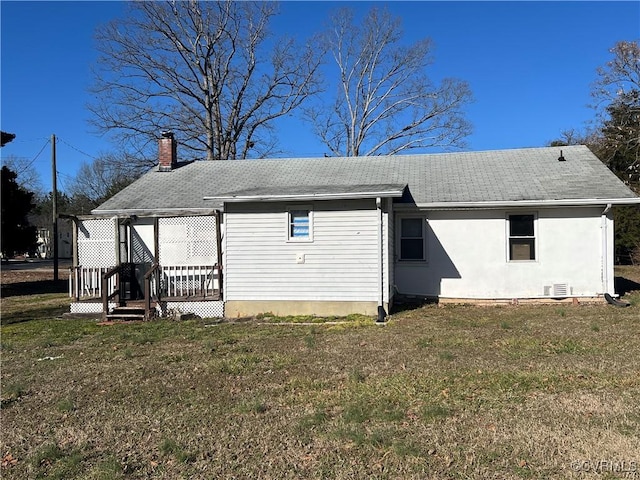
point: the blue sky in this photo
(529, 66)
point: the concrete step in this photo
(126, 310)
(124, 317)
(127, 313)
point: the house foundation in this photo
(249, 308)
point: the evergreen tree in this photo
(18, 236)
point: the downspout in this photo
(605, 250)
(381, 313)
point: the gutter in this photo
(381, 313)
(521, 203)
(165, 212)
(306, 196)
(605, 249)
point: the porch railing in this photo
(191, 281)
(111, 276)
(86, 282)
(166, 281)
(151, 289)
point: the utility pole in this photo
(54, 201)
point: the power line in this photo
(38, 154)
(65, 180)
(77, 149)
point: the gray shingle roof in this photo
(518, 175)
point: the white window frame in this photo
(399, 239)
(289, 220)
(509, 236)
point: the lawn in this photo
(438, 392)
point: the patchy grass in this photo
(439, 392)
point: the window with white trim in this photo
(412, 245)
(522, 237)
(300, 226)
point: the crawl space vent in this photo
(560, 290)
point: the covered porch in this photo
(143, 267)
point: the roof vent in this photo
(561, 157)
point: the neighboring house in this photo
(45, 245)
(344, 235)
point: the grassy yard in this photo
(439, 392)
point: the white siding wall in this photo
(141, 248)
(467, 256)
(340, 264)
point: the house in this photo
(344, 235)
(45, 245)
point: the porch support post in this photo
(217, 216)
(74, 253)
(156, 241)
(117, 238)
(74, 276)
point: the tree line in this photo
(614, 137)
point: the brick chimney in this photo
(167, 155)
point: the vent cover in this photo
(560, 290)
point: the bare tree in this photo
(573, 136)
(617, 95)
(28, 176)
(209, 71)
(620, 77)
(385, 102)
(98, 180)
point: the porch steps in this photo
(130, 313)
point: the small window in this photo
(299, 225)
(522, 239)
(412, 239)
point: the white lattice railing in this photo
(175, 281)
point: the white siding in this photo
(340, 264)
(467, 256)
(141, 241)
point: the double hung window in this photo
(412, 239)
(522, 237)
(300, 227)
